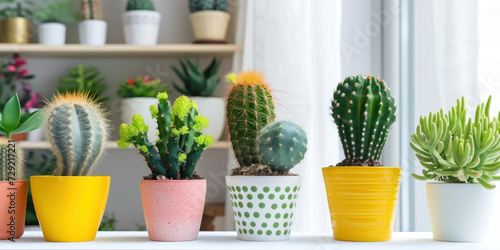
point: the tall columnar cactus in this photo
(91, 9)
(200, 5)
(249, 108)
(11, 161)
(282, 145)
(180, 142)
(364, 110)
(140, 5)
(77, 129)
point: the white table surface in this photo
(227, 240)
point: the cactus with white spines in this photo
(10, 152)
(76, 129)
(363, 110)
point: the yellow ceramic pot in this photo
(15, 30)
(362, 201)
(69, 208)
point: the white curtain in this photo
(297, 44)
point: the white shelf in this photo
(108, 145)
(120, 50)
(227, 240)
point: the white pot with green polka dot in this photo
(263, 205)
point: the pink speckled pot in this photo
(173, 208)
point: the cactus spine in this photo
(282, 145)
(10, 153)
(364, 110)
(77, 129)
(140, 5)
(249, 108)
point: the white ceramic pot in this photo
(92, 32)
(140, 105)
(141, 27)
(459, 211)
(213, 109)
(52, 33)
(263, 205)
(210, 25)
(37, 134)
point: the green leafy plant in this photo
(76, 129)
(256, 137)
(363, 110)
(180, 142)
(85, 79)
(197, 82)
(142, 86)
(56, 11)
(140, 5)
(199, 5)
(91, 9)
(454, 149)
(16, 9)
(12, 122)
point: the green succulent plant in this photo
(140, 5)
(56, 12)
(199, 5)
(16, 8)
(454, 149)
(197, 82)
(85, 80)
(142, 86)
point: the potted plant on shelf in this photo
(13, 188)
(141, 23)
(93, 28)
(15, 25)
(362, 194)
(199, 85)
(209, 19)
(52, 15)
(138, 95)
(263, 191)
(173, 195)
(12, 77)
(85, 79)
(70, 204)
(462, 155)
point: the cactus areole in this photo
(363, 110)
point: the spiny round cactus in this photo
(282, 145)
(249, 108)
(364, 110)
(77, 129)
(199, 5)
(10, 152)
(140, 5)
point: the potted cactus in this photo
(199, 85)
(13, 187)
(92, 29)
(141, 23)
(209, 19)
(462, 156)
(173, 195)
(362, 194)
(15, 24)
(138, 95)
(52, 15)
(262, 189)
(70, 204)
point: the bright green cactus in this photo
(11, 160)
(180, 142)
(364, 110)
(453, 149)
(282, 145)
(199, 5)
(77, 129)
(140, 5)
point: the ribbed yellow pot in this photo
(362, 201)
(69, 208)
(15, 30)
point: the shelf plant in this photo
(200, 85)
(13, 76)
(141, 23)
(364, 110)
(51, 17)
(173, 187)
(15, 24)
(92, 29)
(211, 12)
(13, 187)
(462, 154)
(85, 79)
(76, 129)
(266, 150)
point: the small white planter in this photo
(37, 134)
(140, 105)
(92, 32)
(52, 33)
(141, 27)
(210, 25)
(459, 211)
(213, 109)
(263, 206)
